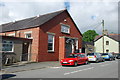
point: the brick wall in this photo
(61, 48)
(54, 26)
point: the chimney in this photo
(105, 32)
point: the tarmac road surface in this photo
(107, 69)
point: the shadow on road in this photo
(6, 76)
(74, 66)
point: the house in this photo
(53, 36)
(111, 43)
(13, 49)
(87, 47)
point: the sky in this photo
(87, 14)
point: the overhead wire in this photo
(95, 25)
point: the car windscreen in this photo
(72, 56)
(90, 54)
(104, 54)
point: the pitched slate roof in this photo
(87, 43)
(115, 37)
(29, 23)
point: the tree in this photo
(89, 35)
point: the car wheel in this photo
(75, 64)
(62, 65)
(103, 60)
(86, 62)
(97, 61)
(110, 59)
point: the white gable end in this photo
(111, 46)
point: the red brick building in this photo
(53, 35)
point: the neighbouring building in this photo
(15, 49)
(87, 47)
(52, 36)
(111, 43)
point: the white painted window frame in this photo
(12, 34)
(12, 46)
(28, 32)
(76, 43)
(62, 25)
(53, 48)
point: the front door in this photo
(68, 48)
(25, 52)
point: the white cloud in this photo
(32, 0)
(86, 13)
(83, 13)
(21, 10)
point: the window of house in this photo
(65, 28)
(7, 45)
(107, 42)
(28, 35)
(90, 49)
(107, 51)
(13, 34)
(50, 42)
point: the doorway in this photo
(68, 49)
(69, 46)
(25, 51)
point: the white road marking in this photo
(55, 67)
(69, 67)
(74, 67)
(78, 71)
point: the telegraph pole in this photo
(103, 34)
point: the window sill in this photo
(65, 33)
(30, 38)
(50, 51)
(10, 52)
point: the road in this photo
(107, 69)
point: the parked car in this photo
(118, 56)
(108, 56)
(96, 57)
(75, 59)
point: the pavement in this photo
(25, 66)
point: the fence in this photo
(8, 58)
